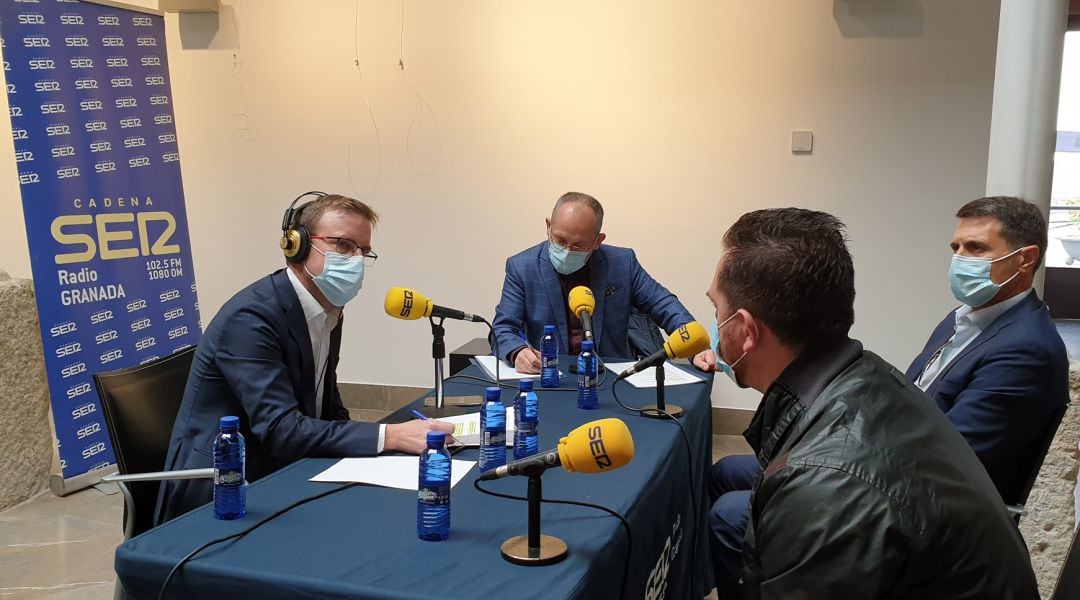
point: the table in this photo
(361, 542)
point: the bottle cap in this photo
(549, 329)
(587, 346)
(436, 439)
(492, 393)
(229, 423)
(525, 385)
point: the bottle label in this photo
(549, 362)
(495, 438)
(586, 381)
(434, 494)
(228, 477)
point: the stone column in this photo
(26, 440)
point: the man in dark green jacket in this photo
(867, 489)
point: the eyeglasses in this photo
(570, 246)
(349, 248)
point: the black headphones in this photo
(295, 239)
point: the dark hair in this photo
(1022, 223)
(313, 211)
(579, 198)
(790, 268)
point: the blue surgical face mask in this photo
(722, 365)
(566, 261)
(341, 278)
(970, 281)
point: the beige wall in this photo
(676, 115)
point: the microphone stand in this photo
(534, 549)
(438, 352)
(658, 410)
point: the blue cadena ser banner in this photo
(95, 142)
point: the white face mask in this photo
(721, 364)
(341, 278)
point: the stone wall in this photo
(25, 433)
(1048, 525)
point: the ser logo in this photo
(28, 177)
(86, 84)
(73, 369)
(71, 20)
(41, 64)
(142, 21)
(166, 138)
(61, 151)
(100, 146)
(175, 313)
(170, 157)
(82, 411)
(105, 336)
(52, 108)
(146, 41)
(87, 430)
(92, 126)
(149, 359)
(154, 80)
(51, 130)
(134, 142)
(145, 343)
(177, 332)
(169, 295)
(67, 172)
(139, 161)
(85, 105)
(31, 19)
(111, 355)
(127, 102)
(48, 85)
(20, 134)
(108, 20)
(93, 450)
(81, 62)
(78, 390)
(130, 122)
(657, 584)
(159, 99)
(105, 166)
(116, 61)
(140, 324)
(122, 82)
(36, 41)
(101, 316)
(62, 328)
(77, 41)
(163, 119)
(135, 305)
(150, 61)
(15, 111)
(24, 156)
(68, 349)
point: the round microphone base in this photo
(517, 551)
(653, 412)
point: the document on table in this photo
(467, 427)
(506, 370)
(673, 375)
(387, 471)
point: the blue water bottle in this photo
(492, 430)
(230, 491)
(586, 387)
(433, 499)
(549, 358)
(526, 420)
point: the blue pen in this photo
(521, 334)
(419, 415)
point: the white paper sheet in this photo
(673, 375)
(387, 471)
(506, 370)
(467, 427)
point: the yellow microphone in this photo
(595, 447)
(408, 304)
(687, 341)
(582, 303)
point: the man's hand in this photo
(411, 437)
(705, 360)
(527, 361)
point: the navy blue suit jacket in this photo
(532, 298)
(1003, 391)
(255, 362)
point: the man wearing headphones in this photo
(270, 357)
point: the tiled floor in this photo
(62, 548)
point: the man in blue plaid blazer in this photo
(539, 279)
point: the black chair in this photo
(1018, 509)
(1068, 583)
(140, 406)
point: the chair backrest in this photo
(140, 406)
(1044, 447)
(1068, 583)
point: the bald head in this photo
(576, 221)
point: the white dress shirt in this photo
(969, 324)
(321, 324)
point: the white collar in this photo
(313, 311)
(983, 318)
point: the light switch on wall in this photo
(802, 142)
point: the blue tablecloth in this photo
(361, 542)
